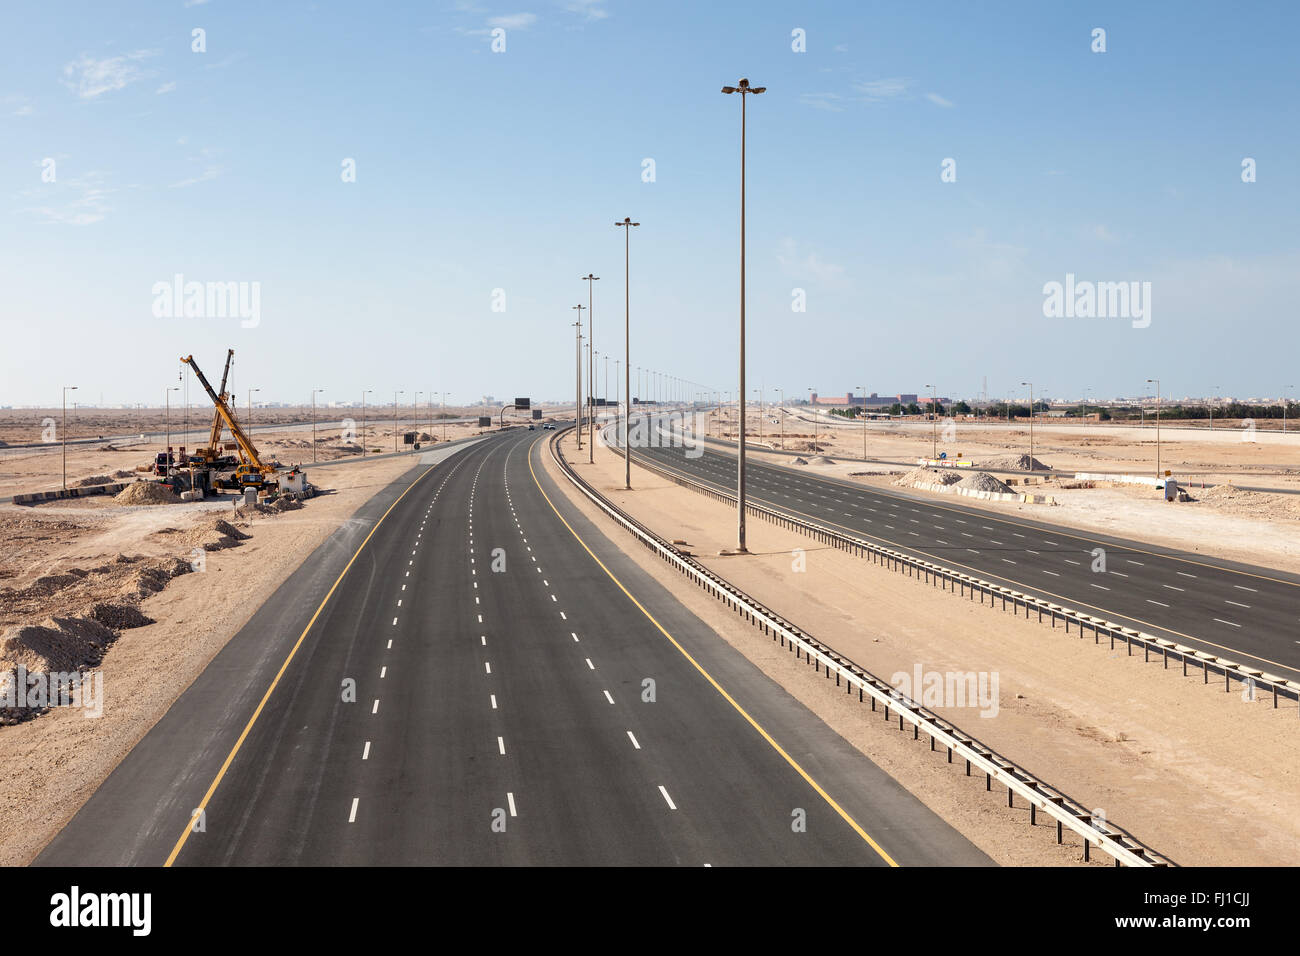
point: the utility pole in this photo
(781, 415)
(1031, 424)
(364, 435)
(934, 424)
(66, 389)
(577, 371)
(863, 390)
(627, 225)
(743, 88)
(578, 407)
(313, 423)
(591, 387)
(1157, 384)
(395, 394)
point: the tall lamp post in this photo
(1157, 384)
(934, 423)
(781, 416)
(1212, 403)
(863, 390)
(578, 372)
(313, 423)
(66, 389)
(395, 394)
(742, 87)
(250, 407)
(364, 435)
(167, 400)
(627, 224)
(1031, 424)
(812, 390)
(591, 379)
(1285, 402)
(444, 415)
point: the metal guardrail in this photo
(1122, 847)
(1249, 679)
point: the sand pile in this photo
(147, 493)
(119, 617)
(924, 477)
(93, 480)
(123, 473)
(55, 644)
(822, 460)
(211, 534)
(1233, 500)
(983, 481)
(1016, 463)
(798, 461)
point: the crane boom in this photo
(247, 449)
(212, 451)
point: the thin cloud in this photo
(1099, 231)
(89, 77)
(209, 173)
(591, 9)
(82, 201)
(807, 265)
(165, 88)
(938, 100)
(195, 3)
(875, 91)
(823, 101)
(513, 21)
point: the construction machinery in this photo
(252, 471)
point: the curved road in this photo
(524, 694)
(1248, 614)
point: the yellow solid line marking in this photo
(709, 677)
(171, 858)
(1033, 587)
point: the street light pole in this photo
(395, 394)
(863, 390)
(313, 423)
(1284, 405)
(167, 396)
(578, 393)
(66, 389)
(1157, 384)
(364, 435)
(1031, 424)
(743, 88)
(591, 341)
(934, 423)
(781, 392)
(627, 224)
(250, 408)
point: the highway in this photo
(524, 694)
(1249, 614)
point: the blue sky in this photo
(478, 171)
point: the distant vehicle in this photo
(550, 428)
(532, 428)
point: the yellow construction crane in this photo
(252, 470)
(213, 450)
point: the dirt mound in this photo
(55, 644)
(119, 617)
(1230, 499)
(983, 481)
(821, 460)
(1016, 463)
(123, 473)
(212, 534)
(798, 461)
(147, 493)
(93, 480)
(922, 477)
(424, 437)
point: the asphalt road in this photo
(503, 659)
(1248, 614)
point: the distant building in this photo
(871, 401)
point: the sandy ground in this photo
(1253, 528)
(40, 469)
(1197, 774)
(54, 762)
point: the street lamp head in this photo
(627, 221)
(591, 276)
(728, 89)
